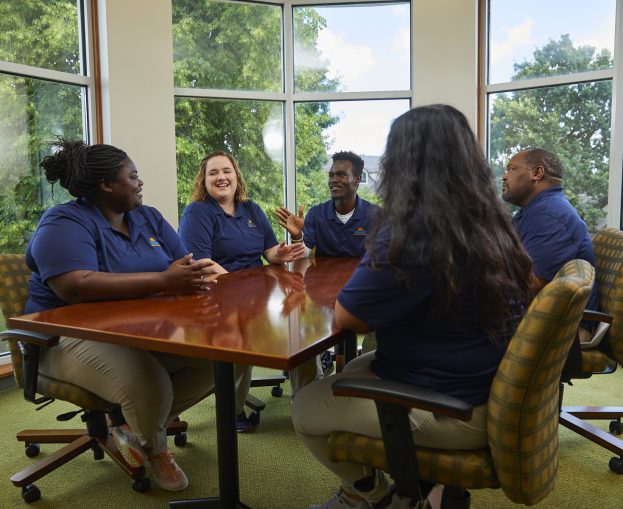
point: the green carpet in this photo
(276, 471)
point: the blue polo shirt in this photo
(449, 353)
(324, 231)
(76, 236)
(235, 242)
(553, 233)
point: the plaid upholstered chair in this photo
(14, 277)
(523, 410)
(605, 349)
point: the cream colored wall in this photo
(137, 78)
(445, 51)
(137, 87)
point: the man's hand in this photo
(293, 224)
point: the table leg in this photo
(227, 445)
(345, 350)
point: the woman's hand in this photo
(290, 222)
(288, 252)
(188, 274)
(214, 270)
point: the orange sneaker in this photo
(128, 445)
(167, 473)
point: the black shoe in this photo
(326, 361)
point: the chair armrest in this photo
(398, 393)
(604, 321)
(31, 342)
(38, 338)
(596, 316)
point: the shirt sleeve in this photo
(550, 246)
(63, 244)
(196, 231)
(377, 297)
(309, 229)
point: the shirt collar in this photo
(134, 216)
(357, 214)
(543, 195)
(217, 209)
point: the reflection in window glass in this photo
(252, 131)
(41, 34)
(33, 113)
(357, 126)
(230, 46)
(573, 121)
(533, 38)
(363, 47)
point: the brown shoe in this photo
(167, 473)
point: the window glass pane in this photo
(573, 121)
(231, 46)
(363, 47)
(357, 126)
(252, 131)
(41, 34)
(33, 112)
(533, 38)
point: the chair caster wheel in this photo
(616, 427)
(276, 391)
(32, 450)
(31, 493)
(98, 453)
(254, 418)
(141, 485)
(180, 439)
(616, 465)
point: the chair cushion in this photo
(522, 418)
(66, 391)
(608, 246)
(469, 469)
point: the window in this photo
(550, 85)
(44, 93)
(283, 86)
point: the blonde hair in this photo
(199, 187)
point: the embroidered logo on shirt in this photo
(251, 224)
(153, 242)
(360, 230)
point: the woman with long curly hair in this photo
(444, 283)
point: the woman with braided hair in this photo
(107, 245)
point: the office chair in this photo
(522, 418)
(605, 349)
(14, 277)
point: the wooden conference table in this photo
(273, 316)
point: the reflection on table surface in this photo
(263, 316)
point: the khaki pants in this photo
(316, 412)
(152, 388)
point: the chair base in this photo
(256, 404)
(573, 419)
(79, 441)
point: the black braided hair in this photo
(80, 168)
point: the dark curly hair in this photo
(80, 168)
(442, 209)
(355, 160)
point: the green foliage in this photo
(573, 121)
(238, 47)
(33, 112)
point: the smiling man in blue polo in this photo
(337, 227)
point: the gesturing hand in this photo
(291, 252)
(293, 224)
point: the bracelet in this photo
(296, 241)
